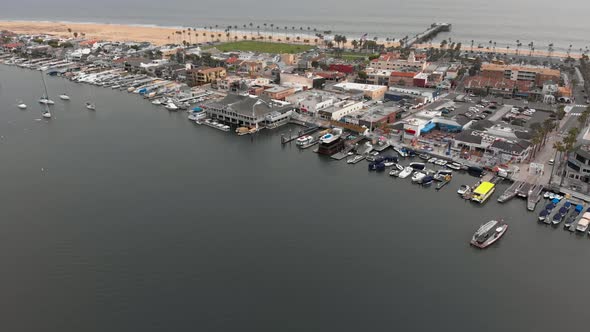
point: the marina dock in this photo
(511, 192)
(534, 196)
(524, 190)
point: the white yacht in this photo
(406, 172)
(21, 105)
(64, 97)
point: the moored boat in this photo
(543, 215)
(489, 233)
(463, 189)
(406, 172)
(418, 176)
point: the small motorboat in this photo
(90, 106)
(427, 180)
(156, 102)
(463, 189)
(46, 114)
(455, 166)
(551, 196)
(394, 172)
(432, 160)
(171, 107)
(399, 167)
(543, 215)
(418, 177)
(22, 105)
(440, 162)
(64, 97)
(388, 163)
(424, 156)
(406, 172)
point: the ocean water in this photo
(132, 218)
(503, 21)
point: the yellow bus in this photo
(483, 192)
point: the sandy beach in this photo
(165, 35)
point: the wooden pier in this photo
(524, 190)
(430, 33)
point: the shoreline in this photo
(161, 35)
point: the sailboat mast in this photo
(44, 85)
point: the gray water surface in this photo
(132, 218)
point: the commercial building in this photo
(249, 111)
(538, 75)
(279, 92)
(340, 109)
(378, 77)
(402, 78)
(312, 101)
(204, 75)
(374, 92)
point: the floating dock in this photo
(511, 192)
(524, 190)
(534, 196)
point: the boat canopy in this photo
(579, 207)
(197, 109)
(484, 188)
(555, 201)
(544, 213)
(429, 126)
(567, 204)
(563, 210)
(550, 206)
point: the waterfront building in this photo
(312, 101)
(249, 111)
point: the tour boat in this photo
(489, 233)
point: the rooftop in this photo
(534, 69)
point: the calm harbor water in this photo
(132, 218)
(503, 21)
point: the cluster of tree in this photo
(340, 39)
(540, 133)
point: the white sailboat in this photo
(64, 97)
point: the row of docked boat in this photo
(574, 219)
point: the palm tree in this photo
(569, 50)
(550, 49)
(316, 41)
(354, 43)
(472, 42)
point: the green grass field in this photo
(262, 47)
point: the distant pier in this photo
(430, 33)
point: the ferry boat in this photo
(406, 172)
(331, 143)
(483, 192)
(489, 233)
